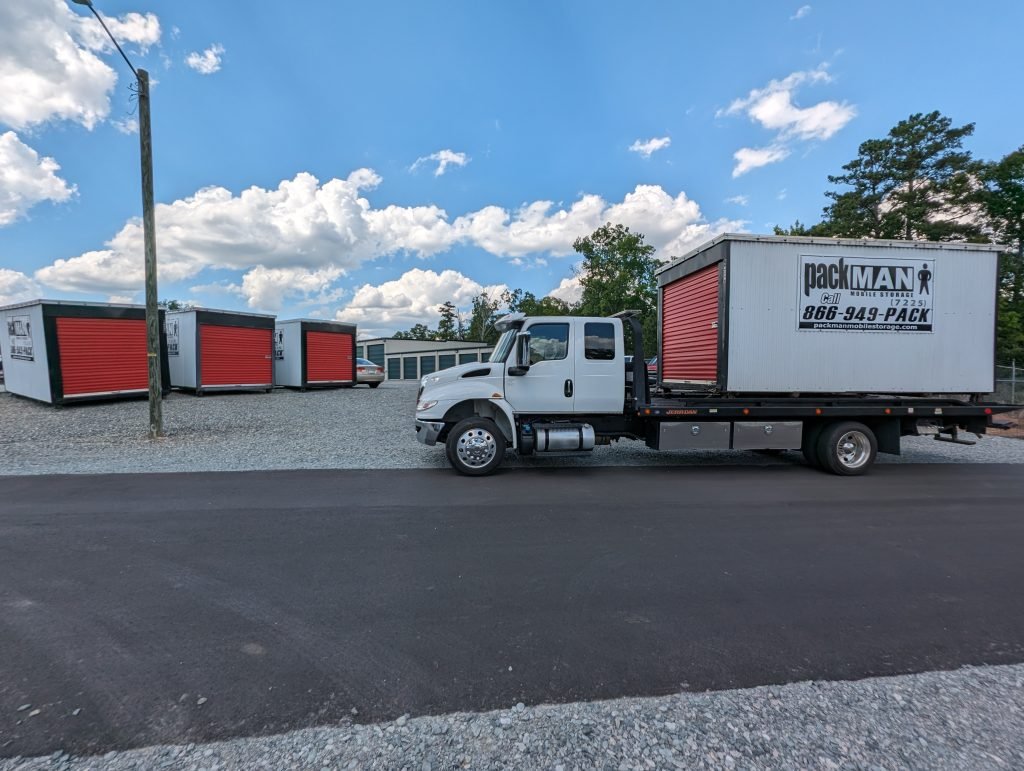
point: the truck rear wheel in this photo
(475, 447)
(847, 448)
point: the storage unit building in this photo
(59, 352)
(314, 354)
(211, 350)
(412, 359)
(789, 315)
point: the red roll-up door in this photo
(329, 357)
(234, 356)
(102, 356)
(689, 327)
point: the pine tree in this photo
(863, 212)
(448, 327)
(916, 183)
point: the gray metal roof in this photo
(73, 303)
(812, 240)
(220, 310)
(318, 321)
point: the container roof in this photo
(72, 303)
(317, 321)
(889, 244)
(434, 345)
(220, 310)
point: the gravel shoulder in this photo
(970, 718)
(356, 428)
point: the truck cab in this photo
(548, 381)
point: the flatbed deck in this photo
(823, 406)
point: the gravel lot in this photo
(972, 718)
(347, 428)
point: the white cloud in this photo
(670, 224)
(207, 62)
(122, 299)
(773, 107)
(45, 71)
(777, 111)
(268, 288)
(532, 228)
(801, 12)
(781, 196)
(142, 30)
(748, 158)
(739, 200)
(126, 125)
(568, 290)
(412, 298)
(673, 225)
(49, 69)
(26, 179)
(305, 225)
(16, 287)
(651, 146)
(298, 224)
(444, 159)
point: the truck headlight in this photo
(425, 406)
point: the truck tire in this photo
(809, 444)
(475, 447)
(847, 448)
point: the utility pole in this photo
(156, 416)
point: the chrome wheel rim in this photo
(476, 447)
(853, 449)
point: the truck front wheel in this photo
(475, 447)
(847, 448)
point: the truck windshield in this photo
(503, 346)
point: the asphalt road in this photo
(188, 607)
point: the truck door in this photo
(547, 387)
(600, 382)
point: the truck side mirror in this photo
(522, 355)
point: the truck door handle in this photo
(568, 388)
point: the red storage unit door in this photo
(329, 357)
(234, 356)
(102, 356)
(689, 328)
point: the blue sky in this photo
(535, 107)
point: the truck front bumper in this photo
(427, 431)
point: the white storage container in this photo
(213, 350)
(309, 353)
(787, 315)
(57, 351)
